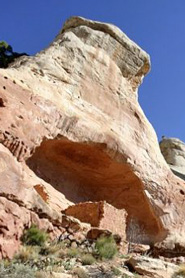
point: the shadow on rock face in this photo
(85, 172)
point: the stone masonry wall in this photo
(101, 215)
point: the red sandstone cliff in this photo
(71, 130)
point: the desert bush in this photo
(61, 254)
(16, 271)
(73, 252)
(136, 232)
(34, 236)
(87, 259)
(27, 253)
(106, 247)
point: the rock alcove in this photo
(86, 172)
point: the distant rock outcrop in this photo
(173, 151)
(71, 131)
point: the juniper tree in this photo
(7, 55)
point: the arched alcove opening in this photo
(85, 172)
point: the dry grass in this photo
(116, 271)
(87, 259)
(73, 253)
(27, 253)
(16, 271)
(52, 249)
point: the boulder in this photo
(149, 267)
(74, 132)
(107, 271)
(95, 233)
(139, 248)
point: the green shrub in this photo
(87, 259)
(34, 236)
(16, 271)
(73, 252)
(106, 247)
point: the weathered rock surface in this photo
(20, 205)
(173, 151)
(150, 267)
(139, 248)
(136, 266)
(71, 118)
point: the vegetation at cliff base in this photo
(16, 271)
(39, 256)
(106, 247)
(34, 236)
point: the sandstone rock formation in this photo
(173, 151)
(149, 267)
(71, 130)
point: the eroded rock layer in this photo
(71, 124)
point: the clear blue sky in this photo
(158, 26)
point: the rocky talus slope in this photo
(72, 131)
